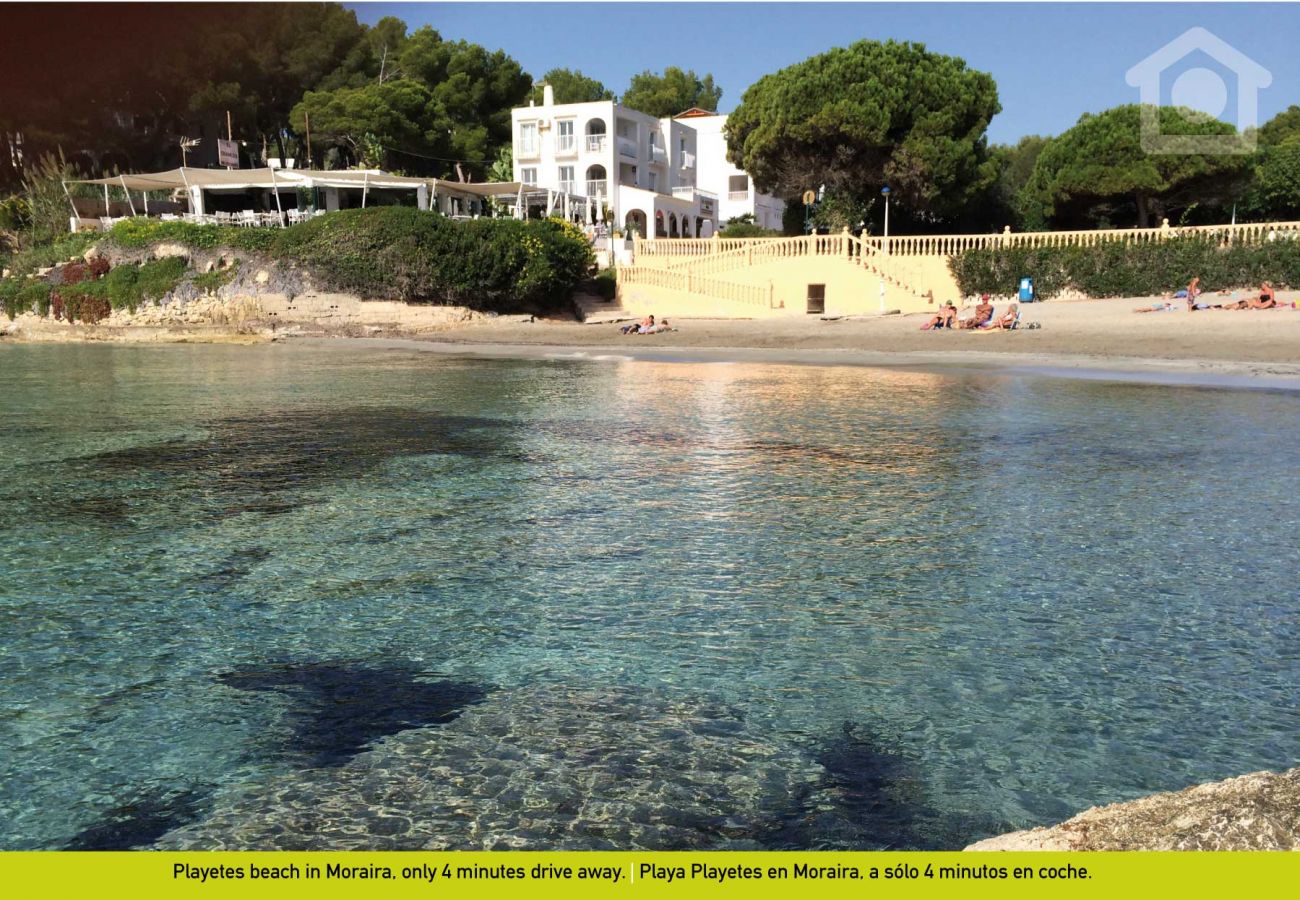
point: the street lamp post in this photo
(884, 192)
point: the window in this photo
(564, 136)
(528, 138)
(681, 145)
(566, 178)
(653, 180)
(528, 176)
(738, 187)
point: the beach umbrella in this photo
(567, 216)
(550, 202)
(519, 202)
(591, 210)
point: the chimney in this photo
(548, 95)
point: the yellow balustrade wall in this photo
(769, 276)
(772, 289)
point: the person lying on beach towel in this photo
(1267, 299)
(983, 313)
(647, 322)
(1156, 307)
(946, 317)
(655, 329)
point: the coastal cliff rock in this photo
(1259, 811)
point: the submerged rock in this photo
(538, 768)
(1259, 811)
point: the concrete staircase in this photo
(593, 309)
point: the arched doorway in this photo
(634, 222)
(672, 225)
(660, 231)
(699, 226)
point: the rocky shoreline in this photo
(1259, 811)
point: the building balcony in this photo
(737, 195)
(595, 143)
(658, 155)
(566, 146)
(597, 187)
(524, 152)
(688, 160)
(627, 148)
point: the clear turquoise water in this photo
(270, 596)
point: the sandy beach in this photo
(1257, 347)
(1077, 335)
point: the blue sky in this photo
(1052, 61)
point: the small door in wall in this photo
(816, 299)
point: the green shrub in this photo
(24, 262)
(399, 253)
(9, 288)
(1118, 269)
(127, 286)
(747, 229)
(607, 283)
(406, 254)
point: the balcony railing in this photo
(596, 187)
(658, 154)
(566, 187)
(688, 160)
(737, 195)
(528, 151)
(626, 148)
(595, 143)
(565, 145)
(684, 190)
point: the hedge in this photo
(399, 253)
(1120, 269)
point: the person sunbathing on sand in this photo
(983, 313)
(655, 329)
(1267, 299)
(647, 322)
(1005, 321)
(946, 317)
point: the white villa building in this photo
(672, 172)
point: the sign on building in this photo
(228, 153)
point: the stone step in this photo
(592, 308)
